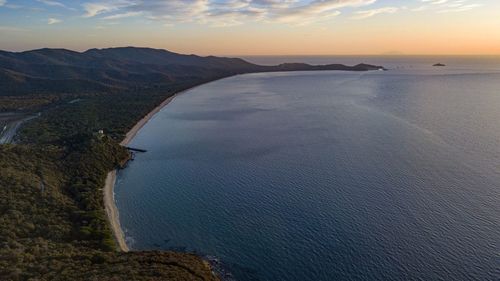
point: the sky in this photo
(256, 27)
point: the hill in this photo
(115, 69)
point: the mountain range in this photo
(116, 69)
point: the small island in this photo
(439, 64)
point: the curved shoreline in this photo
(131, 134)
(109, 194)
(109, 198)
(112, 211)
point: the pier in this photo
(135, 149)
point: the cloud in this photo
(318, 9)
(447, 6)
(420, 8)
(53, 21)
(222, 13)
(370, 13)
(4, 3)
(435, 2)
(121, 16)
(93, 9)
(52, 3)
(459, 8)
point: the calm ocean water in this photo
(327, 175)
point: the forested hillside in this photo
(117, 69)
(51, 210)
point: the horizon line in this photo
(266, 55)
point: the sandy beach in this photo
(131, 134)
(112, 211)
(109, 197)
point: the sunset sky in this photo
(256, 27)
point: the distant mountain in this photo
(115, 69)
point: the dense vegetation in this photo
(48, 71)
(51, 209)
(26, 103)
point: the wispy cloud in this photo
(124, 15)
(53, 21)
(370, 13)
(447, 6)
(52, 3)
(222, 13)
(93, 9)
(9, 5)
(435, 2)
(459, 8)
(317, 10)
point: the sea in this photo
(329, 175)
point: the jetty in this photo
(135, 149)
